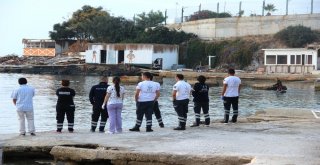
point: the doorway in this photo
(318, 59)
(103, 54)
(120, 56)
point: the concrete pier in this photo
(273, 136)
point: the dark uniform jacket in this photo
(97, 94)
(200, 93)
(65, 97)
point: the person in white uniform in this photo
(23, 100)
(147, 92)
(180, 96)
(230, 96)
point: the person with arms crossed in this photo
(23, 100)
(230, 96)
(180, 97)
(147, 92)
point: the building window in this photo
(293, 59)
(298, 59)
(282, 59)
(271, 59)
(309, 59)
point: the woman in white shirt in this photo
(114, 101)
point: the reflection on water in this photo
(299, 95)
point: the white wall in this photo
(89, 54)
(168, 58)
(140, 56)
(244, 26)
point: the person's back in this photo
(233, 83)
(183, 90)
(201, 92)
(97, 93)
(24, 96)
(65, 96)
(147, 90)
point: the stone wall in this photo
(220, 28)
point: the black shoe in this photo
(136, 129)
(149, 130)
(102, 131)
(91, 130)
(22, 134)
(161, 125)
(32, 134)
(224, 122)
(179, 128)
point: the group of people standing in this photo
(107, 103)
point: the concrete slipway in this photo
(274, 136)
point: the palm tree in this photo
(270, 8)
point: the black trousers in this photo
(181, 107)
(144, 109)
(205, 109)
(62, 111)
(98, 112)
(227, 103)
(157, 113)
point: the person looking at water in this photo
(147, 92)
(180, 97)
(230, 95)
(156, 109)
(23, 100)
(65, 106)
(201, 100)
(114, 100)
(96, 97)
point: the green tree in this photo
(62, 32)
(206, 14)
(296, 36)
(151, 19)
(270, 8)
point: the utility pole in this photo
(134, 19)
(263, 4)
(287, 4)
(199, 11)
(240, 9)
(182, 10)
(165, 17)
(218, 8)
(210, 60)
(311, 6)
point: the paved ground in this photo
(287, 136)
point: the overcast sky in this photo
(33, 19)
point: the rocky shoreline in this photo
(273, 136)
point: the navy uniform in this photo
(201, 101)
(156, 110)
(145, 103)
(65, 106)
(96, 96)
(180, 105)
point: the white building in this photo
(159, 56)
(292, 60)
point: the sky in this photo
(33, 19)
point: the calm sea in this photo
(299, 95)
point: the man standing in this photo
(96, 96)
(200, 95)
(147, 92)
(180, 97)
(230, 96)
(23, 100)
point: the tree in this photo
(62, 32)
(270, 8)
(152, 19)
(206, 14)
(296, 36)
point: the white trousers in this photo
(30, 118)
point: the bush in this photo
(296, 36)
